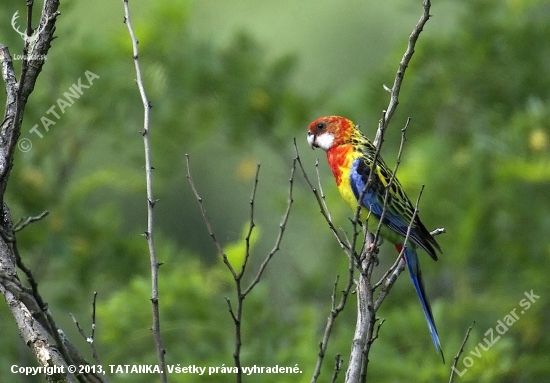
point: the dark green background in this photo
(232, 83)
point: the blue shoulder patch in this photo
(359, 175)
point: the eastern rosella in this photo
(350, 155)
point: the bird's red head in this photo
(330, 131)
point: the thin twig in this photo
(237, 277)
(24, 222)
(323, 208)
(90, 339)
(403, 65)
(149, 234)
(334, 312)
(400, 262)
(321, 193)
(438, 231)
(207, 221)
(460, 351)
(392, 268)
(228, 301)
(375, 335)
(251, 223)
(95, 355)
(337, 367)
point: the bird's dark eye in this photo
(320, 126)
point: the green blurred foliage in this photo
(479, 100)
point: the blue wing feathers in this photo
(373, 199)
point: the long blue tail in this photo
(413, 265)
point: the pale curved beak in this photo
(311, 140)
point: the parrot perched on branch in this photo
(350, 155)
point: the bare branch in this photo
(207, 221)
(321, 193)
(438, 231)
(403, 65)
(22, 223)
(228, 301)
(251, 223)
(31, 329)
(398, 267)
(357, 367)
(90, 339)
(237, 277)
(95, 355)
(149, 235)
(457, 357)
(380, 323)
(237, 313)
(334, 312)
(337, 367)
(34, 301)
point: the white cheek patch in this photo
(325, 140)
